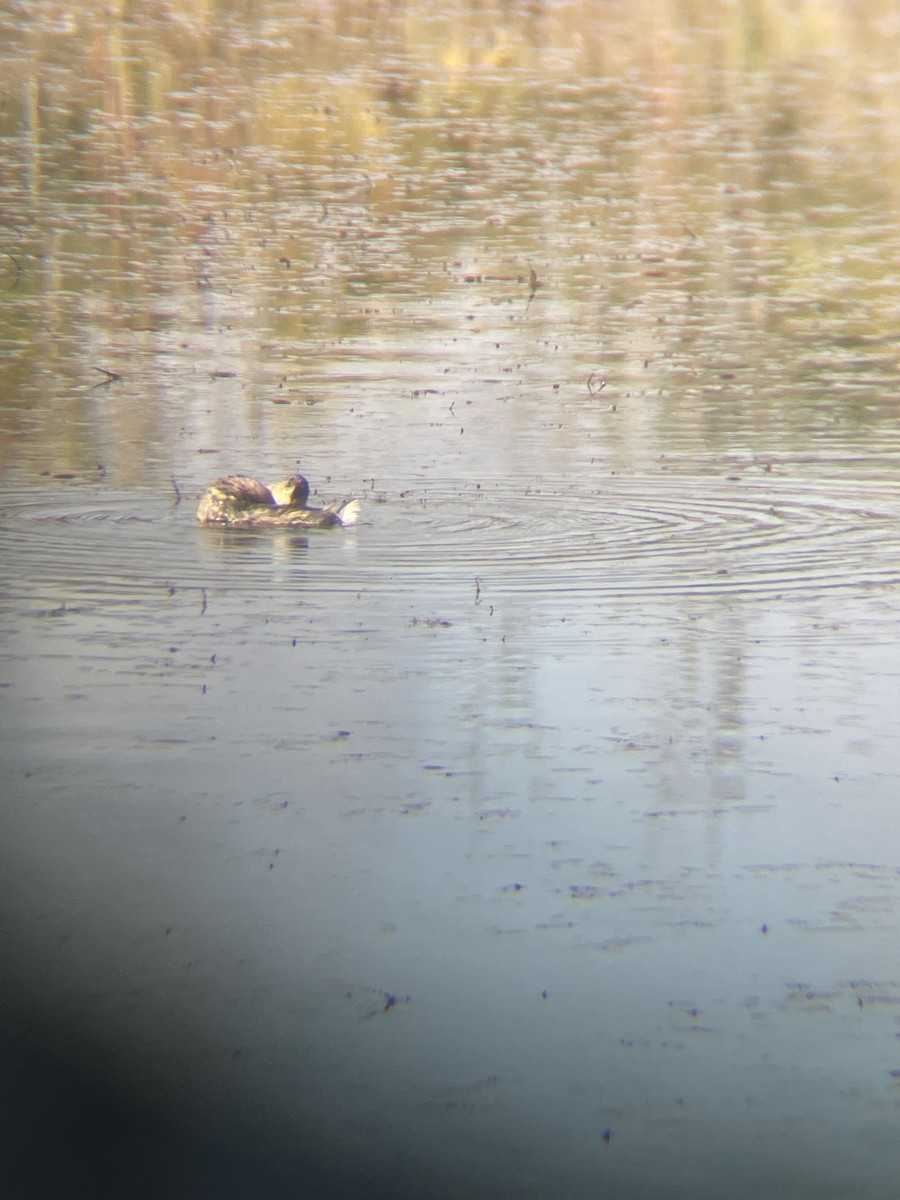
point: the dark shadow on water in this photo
(77, 1126)
(70, 1133)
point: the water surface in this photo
(535, 836)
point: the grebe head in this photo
(292, 492)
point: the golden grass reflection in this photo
(321, 172)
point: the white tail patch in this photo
(349, 512)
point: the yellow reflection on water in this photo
(693, 187)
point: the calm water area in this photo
(537, 836)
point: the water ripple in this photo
(629, 536)
(667, 536)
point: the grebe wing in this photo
(243, 489)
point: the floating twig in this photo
(15, 262)
(111, 377)
(533, 282)
(389, 1001)
(176, 489)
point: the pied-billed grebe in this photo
(244, 503)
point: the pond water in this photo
(538, 835)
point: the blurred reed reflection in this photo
(703, 214)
